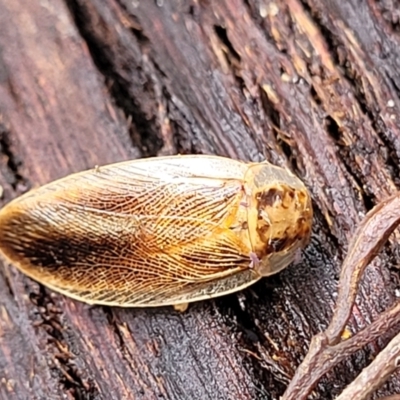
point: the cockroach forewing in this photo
(140, 233)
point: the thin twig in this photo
(327, 348)
(373, 376)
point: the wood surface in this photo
(313, 86)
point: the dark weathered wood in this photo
(312, 85)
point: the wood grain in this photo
(309, 85)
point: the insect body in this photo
(158, 231)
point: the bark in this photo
(310, 85)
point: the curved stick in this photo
(327, 348)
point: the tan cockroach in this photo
(158, 231)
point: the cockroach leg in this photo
(297, 257)
(254, 260)
(182, 307)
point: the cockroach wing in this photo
(140, 233)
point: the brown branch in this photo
(373, 376)
(327, 349)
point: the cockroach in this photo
(158, 231)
